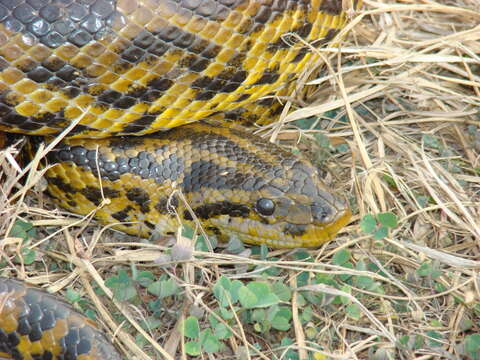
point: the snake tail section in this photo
(35, 325)
(140, 66)
(237, 184)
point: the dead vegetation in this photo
(403, 94)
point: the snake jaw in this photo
(281, 234)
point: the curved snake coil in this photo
(37, 325)
(141, 67)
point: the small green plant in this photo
(143, 287)
(126, 287)
(429, 270)
(80, 303)
(199, 341)
(434, 338)
(378, 225)
(25, 231)
(257, 303)
(122, 286)
(471, 346)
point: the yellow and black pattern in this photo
(35, 325)
(235, 183)
(136, 67)
(139, 66)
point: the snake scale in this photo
(126, 71)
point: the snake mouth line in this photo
(275, 236)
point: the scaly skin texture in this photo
(37, 325)
(141, 66)
(222, 172)
(136, 67)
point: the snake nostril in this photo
(322, 213)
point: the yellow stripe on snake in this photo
(141, 67)
(235, 183)
(138, 67)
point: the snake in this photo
(156, 95)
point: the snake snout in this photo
(329, 210)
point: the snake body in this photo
(131, 67)
(140, 67)
(37, 325)
(227, 177)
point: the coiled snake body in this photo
(140, 67)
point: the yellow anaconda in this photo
(141, 66)
(37, 325)
(235, 183)
(137, 67)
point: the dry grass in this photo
(405, 87)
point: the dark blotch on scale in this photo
(122, 215)
(149, 46)
(226, 82)
(268, 77)
(62, 185)
(223, 146)
(94, 194)
(140, 124)
(331, 7)
(208, 211)
(167, 205)
(295, 230)
(140, 197)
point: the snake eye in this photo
(265, 207)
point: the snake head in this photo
(293, 210)
(267, 195)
